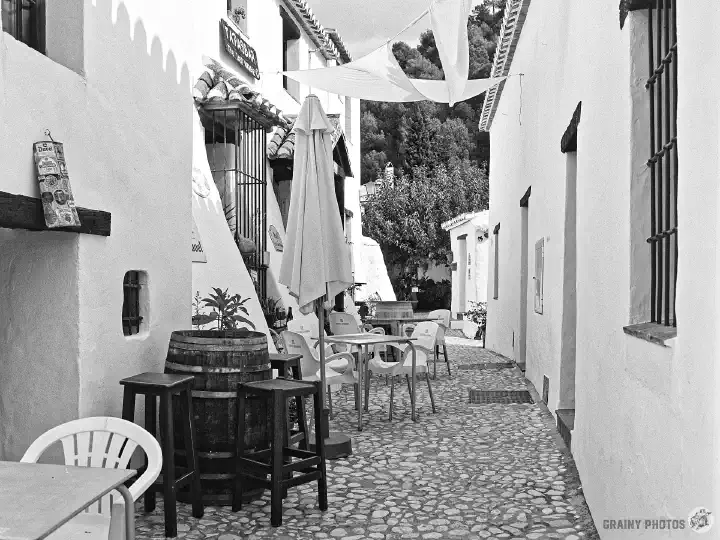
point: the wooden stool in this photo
(287, 364)
(164, 386)
(276, 461)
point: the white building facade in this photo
(118, 85)
(469, 245)
(583, 183)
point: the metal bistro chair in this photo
(103, 442)
(426, 336)
(339, 368)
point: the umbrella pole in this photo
(337, 445)
(321, 335)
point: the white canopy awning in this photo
(377, 76)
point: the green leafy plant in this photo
(434, 294)
(477, 313)
(228, 311)
(273, 310)
(238, 14)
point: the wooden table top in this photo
(367, 339)
(36, 499)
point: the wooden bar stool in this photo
(277, 461)
(288, 365)
(165, 386)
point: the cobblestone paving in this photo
(466, 472)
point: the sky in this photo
(364, 25)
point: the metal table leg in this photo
(414, 374)
(361, 388)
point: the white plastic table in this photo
(37, 499)
(364, 341)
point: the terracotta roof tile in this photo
(282, 143)
(219, 85)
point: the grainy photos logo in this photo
(699, 520)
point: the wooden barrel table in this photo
(219, 360)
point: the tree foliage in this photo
(406, 217)
(399, 132)
(439, 155)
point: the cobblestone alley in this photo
(491, 470)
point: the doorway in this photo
(569, 318)
(524, 258)
(462, 273)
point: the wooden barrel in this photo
(394, 309)
(219, 360)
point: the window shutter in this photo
(539, 268)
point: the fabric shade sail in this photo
(449, 19)
(377, 76)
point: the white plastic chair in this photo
(443, 320)
(426, 335)
(339, 368)
(343, 323)
(104, 442)
(310, 333)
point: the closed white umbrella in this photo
(316, 259)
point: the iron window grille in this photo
(663, 162)
(131, 318)
(25, 21)
(238, 154)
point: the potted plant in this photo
(478, 314)
(219, 358)
(238, 15)
(228, 311)
(274, 311)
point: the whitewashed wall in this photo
(127, 90)
(225, 267)
(645, 414)
(475, 282)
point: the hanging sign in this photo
(198, 254)
(275, 238)
(55, 193)
(239, 49)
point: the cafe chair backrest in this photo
(343, 323)
(104, 442)
(425, 333)
(442, 315)
(297, 344)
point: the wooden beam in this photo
(568, 143)
(22, 212)
(627, 6)
(525, 200)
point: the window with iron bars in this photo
(237, 152)
(25, 21)
(131, 318)
(663, 162)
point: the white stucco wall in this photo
(376, 273)
(476, 245)
(646, 419)
(225, 267)
(65, 290)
